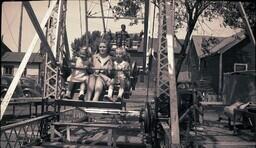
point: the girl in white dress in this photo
(79, 73)
(121, 68)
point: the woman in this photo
(102, 65)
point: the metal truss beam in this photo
(166, 66)
(57, 38)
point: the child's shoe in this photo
(81, 97)
(107, 99)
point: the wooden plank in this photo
(89, 104)
(68, 133)
(247, 25)
(86, 23)
(22, 123)
(103, 19)
(111, 17)
(99, 125)
(39, 30)
(227, 143)
(23, 64)
(57, 33)
(174, 118)
(166, 129)
(101, 145)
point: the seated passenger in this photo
(78, 75)
(102, 63)
(121, 68)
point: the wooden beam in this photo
(23, 64)
(103, 18)
(123, 126)
(67, 54)
(220, 76)
(57, 33)
(39, 30)
(145, 45)
(20, 30)
(110, 17)
(247, 25)
(174, 118)
(96, 104)
(86, 23)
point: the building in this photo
(211, 57)
(10, 62)
(4, 48)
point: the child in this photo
(121, 68)
(79, 74)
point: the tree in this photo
(128, 7)
(187, 13)
(94, 40)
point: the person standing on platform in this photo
(122, 37)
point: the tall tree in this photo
(187, 13)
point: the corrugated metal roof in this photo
(18, 56)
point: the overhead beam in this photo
(111, 17)
(23, 64)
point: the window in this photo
(238, 67)
(8, 70)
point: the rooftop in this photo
(18, 56)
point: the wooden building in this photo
(211, 57)
(10, 62)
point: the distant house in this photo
(214, 56)
(10, 62)
(4, 48)
(137, 56)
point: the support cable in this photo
(80, 15)
(8, 26)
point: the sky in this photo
(11, 12)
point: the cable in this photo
(99, 12)
(89, 12)
(8, 25)
(109, 6)
(81, 29)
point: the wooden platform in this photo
(214, 133)
(62, 145)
